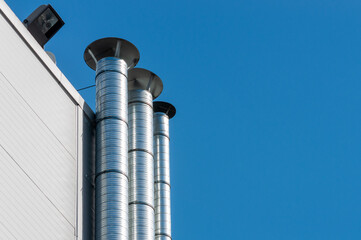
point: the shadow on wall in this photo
(88, 141)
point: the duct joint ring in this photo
(142, 203)
(162, 181)
(163, 234)
(138, 101)
(142, 150)
(111, 170)
(109, 70)
(111, 117)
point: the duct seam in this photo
(105, 71)
(162, 134)
(163, 234)
(110, 117)
(111, 170)
(138, 101)
(143, 203)
(142, 150)
(162, 181)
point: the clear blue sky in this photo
(266, 143)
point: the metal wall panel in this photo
(46, 145)
(26, 212)
(36, 149)
(5, 233)
(47, 165)
(37, 86)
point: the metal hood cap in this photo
(140, 78)
(164, 107)
(111, 47)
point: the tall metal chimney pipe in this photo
(163, 111)
(143, 87)
(111, 58)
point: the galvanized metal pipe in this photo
(143, 87)
(111, 184)
(162, 113)
(111, 57)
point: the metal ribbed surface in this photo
(161, 177)
(111, 197)
(111, 89)
(141, 166)
(111, 219)
(141, 222)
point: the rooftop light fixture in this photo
(43, 23)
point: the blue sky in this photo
(266, 143)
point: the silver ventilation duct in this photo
(143, 87)
(163, 111)
(111, 58)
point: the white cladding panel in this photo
(26, 212)
(37, 150)
(46, 144)
(37, 86)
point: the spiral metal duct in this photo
(143, 87)
(162, 113)
(111, 184)
(111, 180)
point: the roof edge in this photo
(40, 53)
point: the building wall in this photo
(46, 143)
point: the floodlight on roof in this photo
(43, 23)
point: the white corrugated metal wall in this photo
(46, 139)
